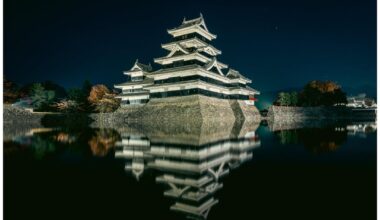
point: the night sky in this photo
(278, 44)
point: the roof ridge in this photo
(232, 72)
(142, 66)
(198, 19)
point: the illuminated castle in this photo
(191, 67)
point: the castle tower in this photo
(190, 67)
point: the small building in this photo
(360, 101)
(191, 67)
(134, 92)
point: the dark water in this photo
(256, 172)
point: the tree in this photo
(317, 93)
(96, 94)
(80, 95)
(280, 98)
(26, 91)
(86, 87)
(283, 99)
(102, 99)
(108, 103)
(41, 98)
(340, 97)
(369, 102)
(11, 91)
(293, 99)
(59, 91)
(77, 95)
(68, 106)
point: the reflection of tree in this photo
(369, 129)
(42, 146)
(12, 148)
(317, 140)
(64, 141)
(65, 137)
(103, 141)
(287, 136)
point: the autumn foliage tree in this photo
(102, 99)
(315, 93)
(322, 93)
(11, 91)
(68, 106)
(49, 96)
(96, 94)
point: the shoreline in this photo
(197, 111)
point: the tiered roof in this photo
(145, 81)
(193, 42)
(234, 74)
(195, 21)
(177, 47)
(190, 53)
(196, 25)
(218, 65)
(182, 57)
(139, 67)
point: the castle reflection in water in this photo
(192, 170)
(188, 161)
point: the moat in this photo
(178, 171)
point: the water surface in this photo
(236, 171)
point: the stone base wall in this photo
(216, 109)
(250, 112)
(18, 117)
(297, 114)
(194, 109)
(13, 114)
